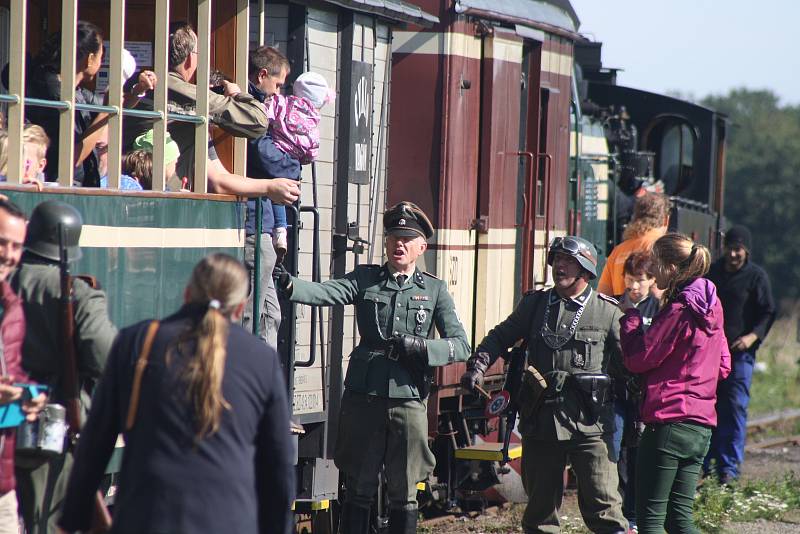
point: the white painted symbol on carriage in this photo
(361, 156)
(361, 100)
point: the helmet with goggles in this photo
(577, 247)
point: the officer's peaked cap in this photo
(408, 220)
(45, 225)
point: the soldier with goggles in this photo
(572, 336)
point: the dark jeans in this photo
(625, 418)
(733, 397)
(669, 463)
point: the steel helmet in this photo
(43, 229)
(578, 248)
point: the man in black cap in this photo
(383, 421)
(744, 290)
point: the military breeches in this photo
(378, 431)
(543, 464)
(41, 487)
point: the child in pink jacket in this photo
(680, 358)
(294, 128)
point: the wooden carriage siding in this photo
(365, 202)
(465, 169)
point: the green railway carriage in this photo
(142, 247)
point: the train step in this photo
(489, 450)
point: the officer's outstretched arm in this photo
(452, 346)
(329, 293)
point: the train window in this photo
(80, 100)
(673, 141)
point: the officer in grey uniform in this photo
(383, 420)
(41, 482)
(572, 335)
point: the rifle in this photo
(101, 519)
(517, 358)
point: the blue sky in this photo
(698, 47)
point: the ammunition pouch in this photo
(593, 390)
(531, 392)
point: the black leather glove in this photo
(411, 349)
(282, 278)
(476, 368)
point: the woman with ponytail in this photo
(203, 409)
(681, 357)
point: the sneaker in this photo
(279, 242)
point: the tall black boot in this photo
(403, 521)
(354, 519)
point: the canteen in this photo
(45, 436)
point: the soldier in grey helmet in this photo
(572, 336)
(384, 420)
(41, 482)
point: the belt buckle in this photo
(391, 354)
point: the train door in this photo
(501, 149)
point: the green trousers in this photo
(543, 464)
(669, 463)
(378, 431)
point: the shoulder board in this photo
(370, 266)
(429, 274)
(603, 296)
(530, 292)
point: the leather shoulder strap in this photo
(141, 363)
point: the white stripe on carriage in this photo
(136, 237)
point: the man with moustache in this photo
(572, 336)
(749, 309)
(384, 420)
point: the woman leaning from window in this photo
(44, 82)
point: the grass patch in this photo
(778, 387)
(746, 501)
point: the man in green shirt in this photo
(383, 421)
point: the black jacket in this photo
(240, 479)
(746, 299)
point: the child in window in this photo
(294, 130)
(34, 143)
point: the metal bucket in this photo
(45, 436)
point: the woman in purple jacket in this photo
(681, 358)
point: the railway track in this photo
(761, 423)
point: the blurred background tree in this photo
(762, 188)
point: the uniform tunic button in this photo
(397, 318)
(399, 305)
(396, 333)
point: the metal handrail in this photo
(316, 277)
(96, 108)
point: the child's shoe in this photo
(279, 242)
